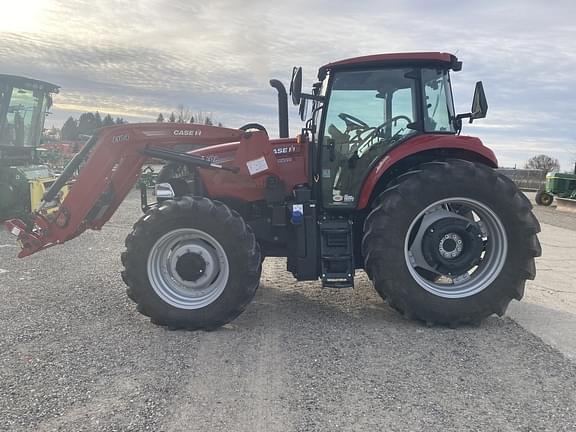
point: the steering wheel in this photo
(365, 142)
(256, 126)
(353, 122)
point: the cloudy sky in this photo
(141, 57)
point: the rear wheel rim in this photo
(188, 268)
(477, 231)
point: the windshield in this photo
(22, 111)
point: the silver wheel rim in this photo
(479, 276)
(170, 273)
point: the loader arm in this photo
(105, 171)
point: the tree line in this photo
(185, 115)
(73, 129)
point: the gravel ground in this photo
(75, 355)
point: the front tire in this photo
(191, 263)
(544, 198)
(451, 243)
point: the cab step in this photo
(336, 253)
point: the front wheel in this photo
(191, 263)
(451, 243)
(544, 198)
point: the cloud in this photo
(150, 56)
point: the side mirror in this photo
(296, 85)
(479, 103)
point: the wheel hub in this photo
(452, 245)
(191, 266)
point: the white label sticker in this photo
(257, 165)
(15, 231)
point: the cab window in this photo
(368, 112)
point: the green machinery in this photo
(24, 104)
(561, 185)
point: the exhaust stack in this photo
(282, 107)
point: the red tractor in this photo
(380, 179)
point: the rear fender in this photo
(423, 148)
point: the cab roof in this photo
(20, 81)
(415, 58)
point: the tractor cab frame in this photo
(365, 107)
(24, 103)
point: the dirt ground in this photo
(75, 355)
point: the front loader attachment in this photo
(103, 173)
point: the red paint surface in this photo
(397, 57)
(419, 144)
(115, 163)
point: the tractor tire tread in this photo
(185, 210)
(380, 253)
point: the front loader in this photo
(380, 179)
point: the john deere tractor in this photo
(24, 103)
(561, 185)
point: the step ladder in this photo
(336, 253)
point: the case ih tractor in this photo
(380, 179)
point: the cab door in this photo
(368, 112)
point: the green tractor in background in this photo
(24, 104)
(561, 185)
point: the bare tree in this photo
(183, 114)
(544, 163)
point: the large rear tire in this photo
(191, 263)
(451, 243)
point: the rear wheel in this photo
(191, 263)
(544, 198)
(451, 243)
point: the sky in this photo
(136, 59)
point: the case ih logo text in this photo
(187, 132)
(120, 138)
(285, 150)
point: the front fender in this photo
(464, 147)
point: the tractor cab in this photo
(364, 107)
(24, 104)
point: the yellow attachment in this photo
(38, 188)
